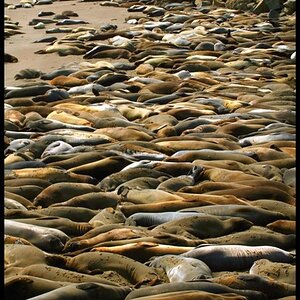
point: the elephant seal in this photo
(68, 161)
(9, 239)
(22, 200)
(25, 181)
(48, 239)
(192, 295)
(276, 206)
(62, 191)
(85, 291)
(54, 175)
(257, 215)
(67, 226)
(97, 262)
(257, 236)
(203, 285)
(58, 274)
(108, 215)
(76, 214)
(110, 182)
(29, 191)
(102, 168)
(154, 219)
(93, 200)
(18, 255)
(113, 234)
(15, 213)
(282, 272)
(142, 251)
(22, 287)
(283, 226)
(205, 226)
(146, 196)
(68, 118)
(180, 269)
(237, 257)
(28, 91)
(271, 288)
(10, 204)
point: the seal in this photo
(142, 251)
(19, 255)
(30, 191)
(44, 271)
(87, 290)
(9, 239)
(10, 204)
(111, 182)
(180, 269)
(30, 286)
(275, 206)
(54, 175)
(22, 200)
(108, 215)
(28, 91)
(271, 288)
(257, 215)
(76, 214)
(203, 286)
(192, 295)
(25, 181)
(280, 272)
(92, 201)
(114, 234)
(102, 168)
(237, 257)
(257, 236)
(62, 191)
(97, 262)
(68, 118)
(72, 160)
(154, 219)
(47, 239)
(283, 226)
(205, 226)
(67, 226)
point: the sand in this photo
(23, 47)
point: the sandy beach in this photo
(23, 47)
